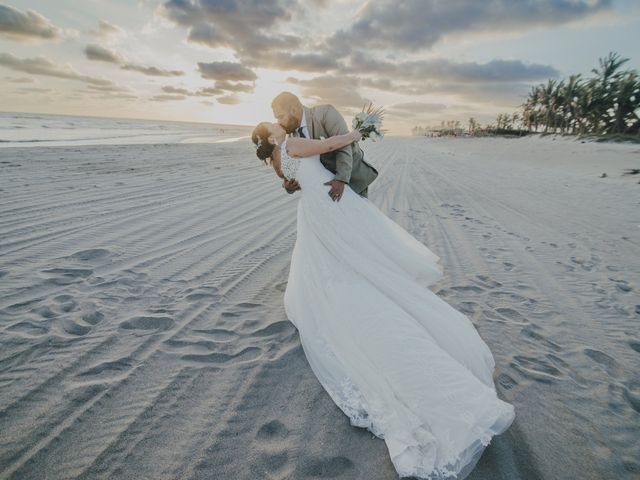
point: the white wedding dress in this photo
(395, 357)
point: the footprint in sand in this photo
(218, 334)
(274, 429)
(631, 393)
(585, 264)
(91, 255)
(530, 332)
(443, 292)
(325, 467)
(513, 315)
(508, 266)
(30, 328)
(506, 382)
(270, 437)
(468, 308)
(487, 281)
(622, 285)
(66, 276)
(74, 328)
(611, 366)
(203, 293)
(246, 355)
(248, 305)
(535, 369)
(44, 312)
(148, 323)
(240, 309)
(512, 297)
(64, 303)
(93, 317)
(468, 289)
(492, 317)
(107, 369)
(274, 329)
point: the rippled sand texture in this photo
(143, 335)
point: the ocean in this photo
(36, 129)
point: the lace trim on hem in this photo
(354, 406)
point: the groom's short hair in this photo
(285, 99)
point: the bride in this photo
(396, 358)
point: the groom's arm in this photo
(334, 124)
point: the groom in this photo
(347, 163)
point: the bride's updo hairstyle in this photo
(260, 137)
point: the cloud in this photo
(201, 92)
(252, 29)
(339, 90)
(19, 79)
(108, 88)
(25, 26)
(413, 25)
(448, 71)
(151, 71)
(173, 93)
(415, 107)
(207, 35)
(233, 86)
(226, 71)
(176, 90)
(303, 62)
(107, 30)
(229, 100)
(227, 15)
(500, 81)
(44, 67)
(209, 91)
(29, 90)
(99, 53)
(108, 95)
(167, 98)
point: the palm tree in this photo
(606, 77)
(626, 99)
(609, 102)
(571, 94)
(473, 124)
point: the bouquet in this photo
(369, 122)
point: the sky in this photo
(222, 61)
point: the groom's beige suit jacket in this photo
(347, 163)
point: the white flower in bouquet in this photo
(369, 122)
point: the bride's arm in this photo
(306, 147)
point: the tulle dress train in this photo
(396, 358)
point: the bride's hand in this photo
(357, 136)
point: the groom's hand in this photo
(337, 187)
(290, 185)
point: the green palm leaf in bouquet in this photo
(369, 122)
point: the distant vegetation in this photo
(606, 105)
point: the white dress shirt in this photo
(303, 125)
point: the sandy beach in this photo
(143, 334)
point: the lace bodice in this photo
(288, 165)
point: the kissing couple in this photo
(394, 357)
